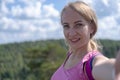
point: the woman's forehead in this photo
(70, 14)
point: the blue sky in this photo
(30, 20)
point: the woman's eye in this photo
(80, 25)
(65, 26)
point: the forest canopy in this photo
(38, 60)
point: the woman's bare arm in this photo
(117, 67)
(103, 68)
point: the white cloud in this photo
(34, 26)
(31, 2)
(50, 11)
(33, 10)
(9, 1)
(88, 1)
(33, 19)
(118, 9)
(4, 8)
(29, 10)
(108, 22)
(108, 28)
(8, 24)
(106, 2)
(16, 10)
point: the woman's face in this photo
(76, 29)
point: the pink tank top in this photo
(74, 73)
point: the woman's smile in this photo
(75, 40)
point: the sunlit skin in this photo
(76, 30)
(117, 67)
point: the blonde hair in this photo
(89, 15)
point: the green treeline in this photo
(38, 60)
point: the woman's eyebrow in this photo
(77, 21)
(65, 23)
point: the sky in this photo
(31, 20)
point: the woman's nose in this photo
(72, 32)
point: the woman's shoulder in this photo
(100, 59)
(103, 67)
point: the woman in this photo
(84, 61)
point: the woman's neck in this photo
(81, 51)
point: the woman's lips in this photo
(74, 40)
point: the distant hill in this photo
(38, 60)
